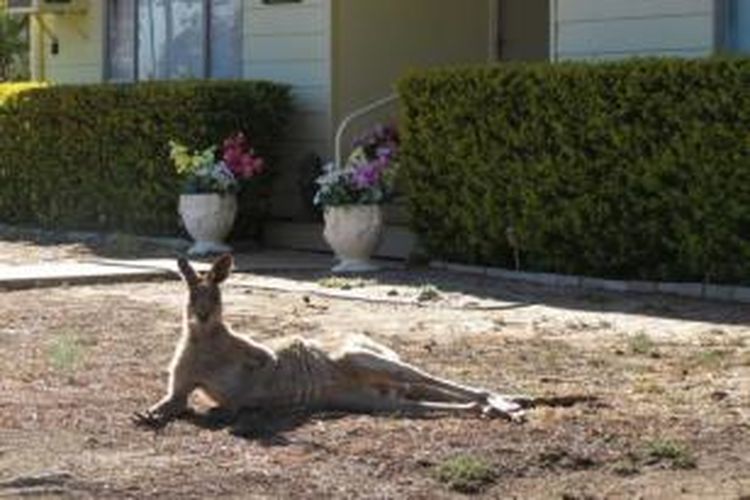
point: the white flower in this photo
(331, 175)
(223, 176)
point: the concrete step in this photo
(398, 241)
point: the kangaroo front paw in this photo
(160, 414)
(149, 420)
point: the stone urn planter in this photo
(353, 232)
(208, 219)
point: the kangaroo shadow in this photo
(270, 427)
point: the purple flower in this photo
(385, 152)
(379, 135)
(368, 175)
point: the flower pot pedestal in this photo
(353, 232)
(208, 218)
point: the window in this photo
(736, 36)
(170, 39)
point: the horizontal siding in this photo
(81, 46)
(75, 73)
(294, 47)
(614, 56)
(289, 43)
(601, 29)
(306, 17)
(590, 10)
(297, 73)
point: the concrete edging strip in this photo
(722, 293)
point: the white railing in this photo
(359, 113)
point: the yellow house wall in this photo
(376, 41)
(289, 43)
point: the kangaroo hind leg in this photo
(424, 391)
(398, 372)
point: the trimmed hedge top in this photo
(96, 156)
(637, 169)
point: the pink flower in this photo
(241, 158)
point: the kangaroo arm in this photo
(174, 403)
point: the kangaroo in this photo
(346, 374)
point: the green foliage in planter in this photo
(637, 169)
(96, 156)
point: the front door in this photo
(523, 30)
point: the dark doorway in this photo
(523, 30)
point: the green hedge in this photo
(635, 170)
(96, 156)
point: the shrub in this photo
(12, 47)
(97, 156)
(637, 169)
(9, 90)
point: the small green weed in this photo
(642, 345)
(340, 283)
(667, 450)
(428, 293)
(628, 466)
(646, 385)
(66, 352)
(465, 474)
(710, 360)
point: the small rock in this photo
(719, 395)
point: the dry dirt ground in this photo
(672, 377)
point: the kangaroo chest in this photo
(301, 375)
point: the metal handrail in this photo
(359, 113)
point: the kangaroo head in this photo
(204, 299)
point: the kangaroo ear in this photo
(221, 269)
(187, 271)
